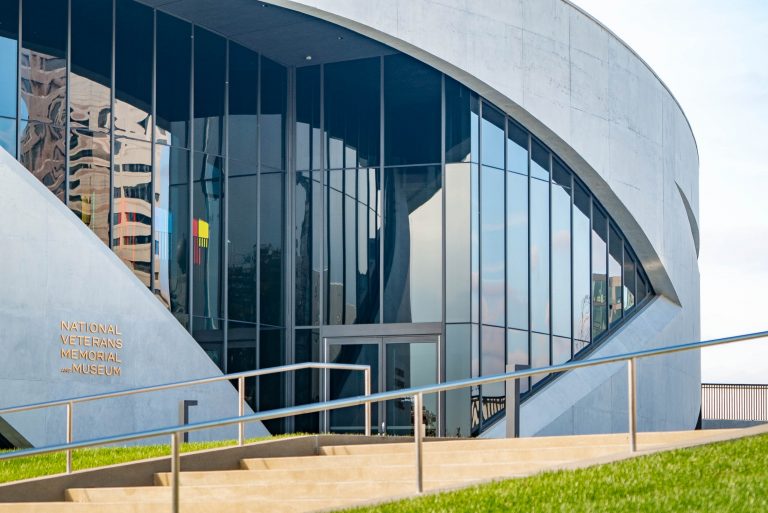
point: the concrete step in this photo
(260, 506)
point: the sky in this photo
(713, 56)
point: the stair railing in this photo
(415, 393)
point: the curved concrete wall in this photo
(598, 105)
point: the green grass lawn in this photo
(718, 478)
(47, 464)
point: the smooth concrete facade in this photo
(55, 269)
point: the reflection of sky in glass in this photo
(8, 135)
(426, 260)
(8, 51)
(492, 251)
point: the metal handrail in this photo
(239, 376)
(417, 394)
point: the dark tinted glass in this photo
(457, 366)
(308, 246)
(599, 269)
(492, 250)
(539, 160)
(241, 355)
(413, 244)
(458, 131)
(352, 113)
(539, 256)
(308, 140)
(243, 242)
(582, 267)
(272, 387)
(642, 286)
(90, 79)
(458, 199)
(273, 106)
(307, 382)
(615, 262)
(43, 61)
(132, 193)
(243, 103)
(630, 287)
(207, 241)
(133, 69)
(272, 221)
(492, 361)
(171, 226)
(42, 151)
(561, 252)
(9, 43)
(174, 68)
(412, 111)
(492, 144)
(517, 251)
(517, 149)
(89, 191)
(210, 82)
(517, 354)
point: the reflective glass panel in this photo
(492, 347)
(308, 140)
(243, 240)
(43, 61)
(492, 250)
(272, 386)
(615, 262)
(517, 251)
(582, 267)
(243, 103)
(642, 287)
(9, 43)
(540, 353)
(517, 354)
(629, 280)
(539, 256)
(410, 364)
(599, 269)
(133, 69)
(171, 227)
(492, 144)
(89, 192)
(272, 222)
(207, 241)
(132, 203)
(210, 82)
(458, 255)
(352, 113)
(242, 355)
(412, 111)
(209, 333)
(561, 350)
(306, 382)
(457, 366)
(309, 247)
(413, 244)
(517, 149)
(459, 102)
(539, 160)
(8, 135)
(346, 383)
(42, 151)
(90, 79)
(174, 76)
(474, 220)
(273, 106)
(561, 251)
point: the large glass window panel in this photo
(174, 75)
(492, 143)
(207, 241)
(412, 111)
(599, 270)
(308, 246)
(210, 82)
(458, 254)
(642, 286)
(132, 203)
(243, 103)
(413, 244)
(517, 354)
(561, 251)
(306, 382)
(517, 149)
(273, 109)
(629, 280)
(89, 192)
(539, 255)
(242, 355)
(210, 335)
(352, 93)
(540, 355)
(517, 251)
(308, 139)
(348, 383)
(539, 160)
(354, 222)
(461, 117)
(171, 227)
(272, 227)
(42, 151)
(492, 245)
(90, 79)
(43, 61)
(582, 268)
(561, 350)
(133, 69)
(272, 386)
(457, 366)
(410, 363)
(493, 348)
(9, 44)
(242, 236)
(615, 262)
(8, 135)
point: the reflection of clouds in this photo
(426, 260)
(561, 240)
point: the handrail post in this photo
(240, 409)
(632, 403)
(175, 464)
(367, 373)
(69, 436)
(418, 422)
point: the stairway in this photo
(345, 475)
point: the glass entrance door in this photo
(396, 363)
